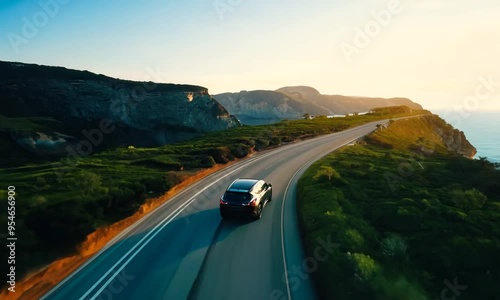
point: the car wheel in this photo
(270, 197)
(259, 213)
(223, 216)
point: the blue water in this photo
(482, 129)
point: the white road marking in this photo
(309, 162)
(175, 213)
(164, 223)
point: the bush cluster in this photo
(438, 222)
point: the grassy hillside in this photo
(408, 224)
(74, 196)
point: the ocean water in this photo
(482, 129)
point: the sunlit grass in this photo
(119, 179)
(402, 243)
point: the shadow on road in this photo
(186, 240)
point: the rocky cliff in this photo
(446, 135)
(425, 135)
(455, 140)
(139, 113)
(261, 107)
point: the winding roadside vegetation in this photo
(60, 202)
(412, 220)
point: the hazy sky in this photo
(432, 51)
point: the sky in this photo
(443, 54)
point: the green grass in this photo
(405, 222)
(74, 197)
(29, 124)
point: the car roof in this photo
(242, 185)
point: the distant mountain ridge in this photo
(263, 107)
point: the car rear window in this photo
(237, 197)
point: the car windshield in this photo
(237, 197)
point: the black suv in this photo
(245, 197)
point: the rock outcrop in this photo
(451, 138)
(141, 113)
(44, 144)
(456, 142)
(427, 135)
(263, 107)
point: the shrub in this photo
(154, 183)
(240, 150)
(38, 199)
(70, 220)
(119, 196)
(221, 155)
(159, 164)
(87, 182)
(275, 141)
(326, 172)
(173, 179)
(354, 238)
(261, 144)
(365, 268)
(395, 247)
(207, 162)
(371, 139)
(470, 199)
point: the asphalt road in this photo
(184, 250)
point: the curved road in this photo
(183, 249)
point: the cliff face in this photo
(456, 142)
(142, 113)
(426, 135)
(261, 107)
(451, 138)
